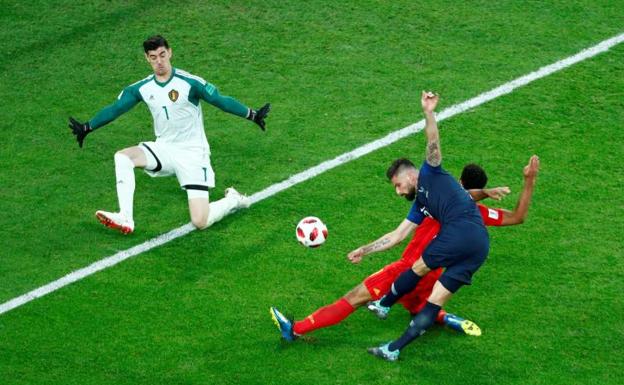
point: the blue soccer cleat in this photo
(384, 352)
(378, 309)
(462, 325)
(283, 324)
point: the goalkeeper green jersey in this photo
(174, 106)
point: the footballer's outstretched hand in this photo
(356, 255)
(257, 116)
(497, 193)
(79, 129)
(532, 169)
(429, 101)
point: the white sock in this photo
(124, 170)
(221, 208)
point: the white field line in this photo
(316, 170)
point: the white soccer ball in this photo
(311, 232)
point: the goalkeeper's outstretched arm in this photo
(126, 100)
(228, 104)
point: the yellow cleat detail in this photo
(274, 319)
(471, 328)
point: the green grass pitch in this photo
(339, 74)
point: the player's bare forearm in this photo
(383, 243)
(524, 201)
(391, 239)
(477, 194)
(496, 193)
(433, 154)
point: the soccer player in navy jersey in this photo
(378, 284)
(461, 246)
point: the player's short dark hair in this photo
(473, 177)
(398, 166)
(154, 42)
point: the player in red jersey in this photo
(376, 285)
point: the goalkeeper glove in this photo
(257, 116)
(79, 129)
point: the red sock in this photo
(325, 316)
(440, 317)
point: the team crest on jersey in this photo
(173, 95)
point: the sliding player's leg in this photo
(372, 288)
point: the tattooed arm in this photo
(385, 242)
(433, 154)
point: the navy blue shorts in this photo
(460, 247)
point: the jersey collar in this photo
(163, 84)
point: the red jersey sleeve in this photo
(491, 217)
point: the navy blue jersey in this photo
(440, 196)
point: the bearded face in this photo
(411, 194)
(405, 184)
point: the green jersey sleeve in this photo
(127, 99)
(210, 94)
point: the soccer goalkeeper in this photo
(181, 148)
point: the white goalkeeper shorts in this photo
(190, 165)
